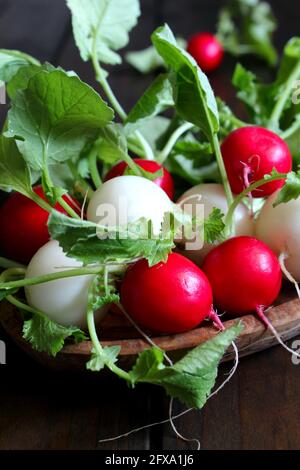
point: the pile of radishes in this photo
(126, 177)
(239, 276)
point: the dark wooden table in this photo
(39, 409)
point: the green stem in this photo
(146, 146)
(98, 348)
(17, 303)
(216, 147)
(107, 89)
(68, 208)
(134, 147)
(93, 333)
(93, 159)
(290, 131)
(173, 139)
(279, 106)
(249, 189)
(114, 101)
(236, 121)
(12, 273)
(47, 179)
(132, 165)
(51, 277)
(7, 263)
(41, 202)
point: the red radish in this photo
(252, 152)
(165, 182)
(206, 50)
(170, 297)
(245, 275)
(24, 225)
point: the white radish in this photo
(279, 228)
(63, 300)
(212, 195)
(126, 199)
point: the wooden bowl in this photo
(115, 329)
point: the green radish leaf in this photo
(111, 144)
(72, 113)
(290, 190)
(228, 121)
(108, 356)
(92, 243)
(247, 27)
(48, 336)
(194, 98)
(181, 166)
(148, 60)
(192, 378)
(62, 177)
(253, 94)
(154, 128)
(261, 99)
(104, 26)
(20, 80)
(148, 363)
(102, 292)
(11, 61)
(194, 150)
(193, 161)
(145, 61)
(156, 99)
(14, 173)
(214, 226)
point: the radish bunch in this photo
(120, 243)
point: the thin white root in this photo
(171, 418)
(143, 334)
(266, 321)
(84, 204)
(288, 275)
(231, 373)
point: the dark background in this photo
(39, 409)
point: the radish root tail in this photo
(246, 173)
(288, 275)
(261, 314)
(214, 317)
